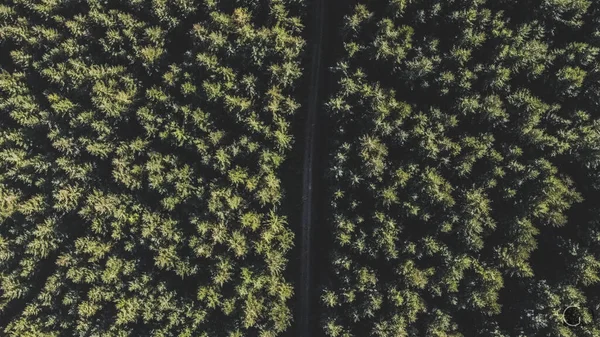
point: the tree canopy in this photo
(141, 146)
(462, 172)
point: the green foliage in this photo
(462, 171)
(141, 145)
(142, 150)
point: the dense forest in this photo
(463, 171)
(151, 171)
(140, 153)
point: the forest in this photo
(463, 169)
(160, 161)
(141, 146)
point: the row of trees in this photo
(463, 170)
(141, 145)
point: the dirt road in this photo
(306, 319)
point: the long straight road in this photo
(306, 319)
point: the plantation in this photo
(140, 153)
(463, 172)
(152, 180)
